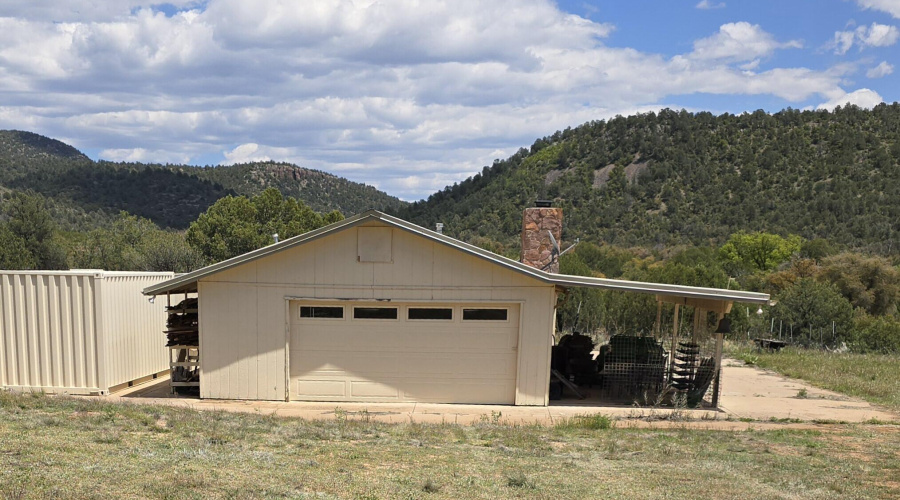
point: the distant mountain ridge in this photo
(84, 192)
(21, 145)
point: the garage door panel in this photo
(368, 389)
(460, 392)
(473, 365)
(456, 391)
(322, 388)
(404, 360)
(331, 339)
(332, 362)
(461, 338)
(372, 365)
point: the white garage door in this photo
(372, 351)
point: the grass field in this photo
(873, 377)
(88, 448)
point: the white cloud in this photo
(403, 31)
(843, 40)
(864, 98)
(739, 42)
(751, 66)
(144, 156)
(251, 151)
(876, 35)
(244, 153)
(892, 7)
(883, 69)
(706, 4)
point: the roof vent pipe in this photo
(275, 237)
(439, 227)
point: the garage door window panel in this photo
(379, 313)
(485, 315)
(321, 312)
(429, 314)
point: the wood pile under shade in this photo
(182, 326)
(183, 341)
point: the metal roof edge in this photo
(138, 273)
(192, 276)
(662, 289)
(83, 272)
(47, 272)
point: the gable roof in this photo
(188, 282)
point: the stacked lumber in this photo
(182, 326)
(183, 339)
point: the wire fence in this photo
(808, 336)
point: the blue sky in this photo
(670, 28)
(413, 95)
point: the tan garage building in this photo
(374, 308)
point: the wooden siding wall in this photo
(243, 310)
(132, 327)
(49, 332)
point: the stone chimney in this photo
(538, 223)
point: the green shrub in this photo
(875, 334)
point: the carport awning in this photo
(175, 288)
(662, 289)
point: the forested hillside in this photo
(84, 194)
(167, 196)
(17, 145)
(680, 178)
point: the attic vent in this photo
(374, 244)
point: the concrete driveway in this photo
(750, 397)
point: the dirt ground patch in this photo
(860, 446)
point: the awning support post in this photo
(720, 339)
(657, 328)
(674, 340)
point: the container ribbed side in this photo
(133, 328)
(48, 332)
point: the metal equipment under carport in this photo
(677, 366)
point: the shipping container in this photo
(80, 331)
